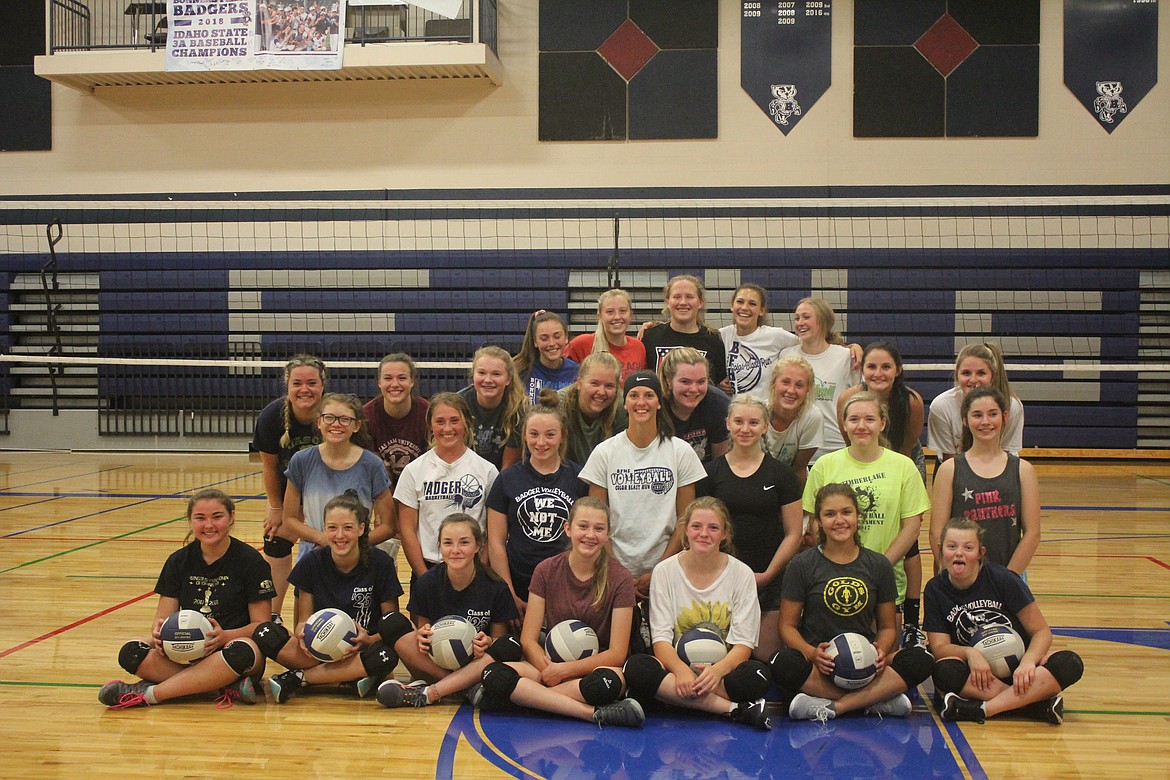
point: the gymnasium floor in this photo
(83, 536)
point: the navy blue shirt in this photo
(358, 592)
(994, 599)
(483, 602)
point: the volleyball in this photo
(702, 644)
(1001, 646)
(451, 641)
(854, 660)
(570, 640)
(183, 635)
(329, 634)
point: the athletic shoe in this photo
(285, 684)
(242, 690)
(277, 619)
(912, 636)
(366, 686)
(956, 708)
(118, 695)
(753, 713)
(805, 707)
(895, 707)
(1052, 710)
(623, 712)
(474, 695)
(394, 694)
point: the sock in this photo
(910, 611)
(149, 696)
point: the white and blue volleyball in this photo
(1001, 646)
(329, 634)
(702, 644)
(184, 635)
(451, 641)
(854, 660)
(570, 640)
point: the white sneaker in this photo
(895, 707)
(805, 707)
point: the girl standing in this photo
(591, 407)
(990, 486)
(349, 575)
(231, 585)
(497, 403)
(461, 586)
(685, 298)
(977, 365)
(542, 362)
(697, 410)
(762, 496)
(971, 593)
(704, 585)
(832, 363)
(397, 418)
(614, 314)
(752, 346)
(284, 427)
(584, 584)
(816, 607)
(448, 478)
(795, 428)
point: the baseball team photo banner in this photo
(1110, 55)
(786, 51)
(255, 35)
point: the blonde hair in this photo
(551, 411)
(778, 367)
(601, 565)
(459, 404)
(826, 318)
(989, 354)
(720, 509)
(515, 399)
(747, 399)
(699, 288)
(600, 342)
(595, 361)
(868, 396)
(297, 361)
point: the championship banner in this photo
(255, 35)
(786, 51)
(1110, 55)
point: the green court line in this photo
(94, 544)
(1085, 596)
(48, 684)
(106, 577)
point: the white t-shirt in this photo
(944, 428)
(437, 488)
(750, 357)
(642, 486)
(730, 602)
(834, 375)
(804, 433)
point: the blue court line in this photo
(74, 476)
(30, 503)
(966, 753)
(1157, 638)
(113, 495)
(1108, 508)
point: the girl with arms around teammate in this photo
(584, 584)
(284, 427)
(795, 428)
(614, 314)
(231, 585)
(970, 593)
(751, 344)
(397, 419)
(840, 586)
(685, 301)
(987, 484)
(762, 496)
(346, 574)
(542, 362)
(704, 586)
(592, 406)
(461, 586)
(977, 365)
(497, 402)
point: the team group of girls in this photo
(541, 493)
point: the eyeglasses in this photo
(330, 419)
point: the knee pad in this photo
(748, 681)
(913, 552)
(499, 680)
(506, 648)
(132, 654)
(950, 675)
(239, 656)
(1066, 666)
(913, 665)
(601, 686)
(379, 659)
(644, 675)
(277, 547)
(393, 626)
(790, 670)
(270, 638)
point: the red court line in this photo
(1149, 558)
(75, 624)
(83, 539)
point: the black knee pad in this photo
(748, 681)
(499, 680)
(379, 659)
(277, 547)
(270, 638)
(1066, 666)
(132, 654)
(913, 665)
(644, 675)
(790, 670)
(393, 626)
(950, 675)
(240, 656)
(601, 686)
(913, 552)
(506, 648)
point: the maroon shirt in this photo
(568, 598)
(397, 442)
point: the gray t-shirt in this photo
(839, 597)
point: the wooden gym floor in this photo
(83, 536)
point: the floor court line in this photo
(1106, 508)
(73, 476)
(74, 624)
(30, 503)
(93, 544)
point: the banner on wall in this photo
(1110, 55)
(786, 52)
(255, 34)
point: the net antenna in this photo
(613, 272)
(49, 280)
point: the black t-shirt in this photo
(270, 430)
(483, 602)
(222, 590)
(488, 430)
(839, 597)
(707, 424)
(994, 599)
(755, 503)
(660, 339)
(358, 593)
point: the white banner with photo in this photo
(255, 34)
